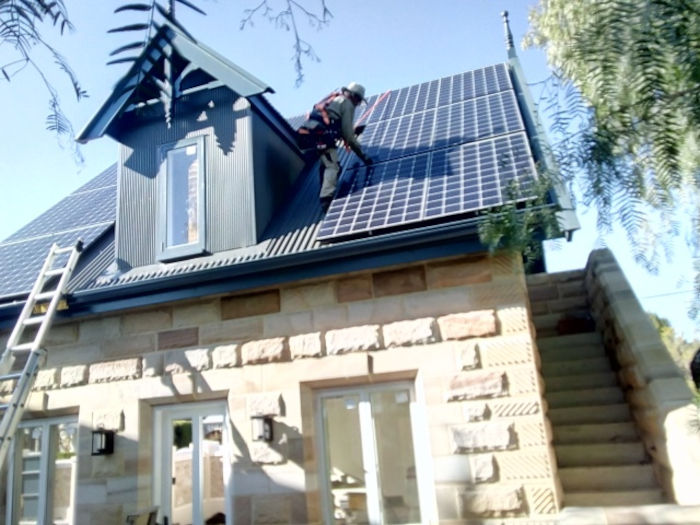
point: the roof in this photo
(191, 63)
(291, 248)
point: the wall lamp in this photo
(102, 442)
(262, 427)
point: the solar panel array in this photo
(447, 147)
(85, 214)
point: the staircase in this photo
(601, 460)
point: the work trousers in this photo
(330, 168)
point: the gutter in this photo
(361, 254)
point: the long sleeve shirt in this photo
(342, 108)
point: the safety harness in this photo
(320, 130)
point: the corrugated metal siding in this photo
(229, 188)
(277, 166)
(228, 191)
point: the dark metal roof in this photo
(194, 56)
(289, 250)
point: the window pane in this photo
(212, 453)
(64, 442)
(344, 459)
(29, 441)
(394, 442)
(182, 196)
(181, 495)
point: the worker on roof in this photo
(329, 121)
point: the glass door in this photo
(371, 463)
(191, 467)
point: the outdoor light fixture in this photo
(262, 427)
(102, 442)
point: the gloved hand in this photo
(359, 129)
(368, 160)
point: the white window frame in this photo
(180, 251)
(46, 466)
(162, 451)
(421, 448)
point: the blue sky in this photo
(383, 44)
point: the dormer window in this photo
(182, 232)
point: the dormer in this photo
(204, 159)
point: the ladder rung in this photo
(4, 407)
(24, 347)
(9, 377)
(45, 296)
(55, 271)
(63, 250)
(34, 320)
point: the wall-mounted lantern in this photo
(102, 442)
(262, 427)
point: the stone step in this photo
(574, 367)
(595, 433)
(600, 454)
(613, 499)
(607, 478)
(593, 396)
(581, 381)
(618, 413)
(566, 341)
(570, 353)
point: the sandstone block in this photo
(47, 379)
(477, 384)
(495, 435)
(143, 322)
(108, 418)
(181, 361)
(543, 292)
(152, 364)
(278, 325)
(469, 355)
(506, 350)
(115, 370)
(265, 351)
(513, 319)
(483, 467)
(308, 296)
(268, 404)
(196, 314)
(306, 345)
(264, 454)
(356, 288)
(100, 329)
(179, 338)
(354, 339)
(62, 334)
(471, 324)
(414, 332)
(225, 356)
(74, 375)
(377, 311)
(128, 346)
(405, 280)
(252, 304)
(492, 501)
(459, 272)
(476, 411)
(232, 331)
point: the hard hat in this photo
(356, 89)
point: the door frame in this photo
(421, 447)
(46, 468)
(162, 461)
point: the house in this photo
(229, 354)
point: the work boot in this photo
(325, 203)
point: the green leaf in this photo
(191, 6)
(133, 7)
(130, 27)
(127, 47)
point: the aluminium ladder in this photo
(35, 318)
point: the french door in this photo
(192, 468)
(374, 457)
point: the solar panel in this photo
(447, 147)
(85, 214)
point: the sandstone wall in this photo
(458, 329)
